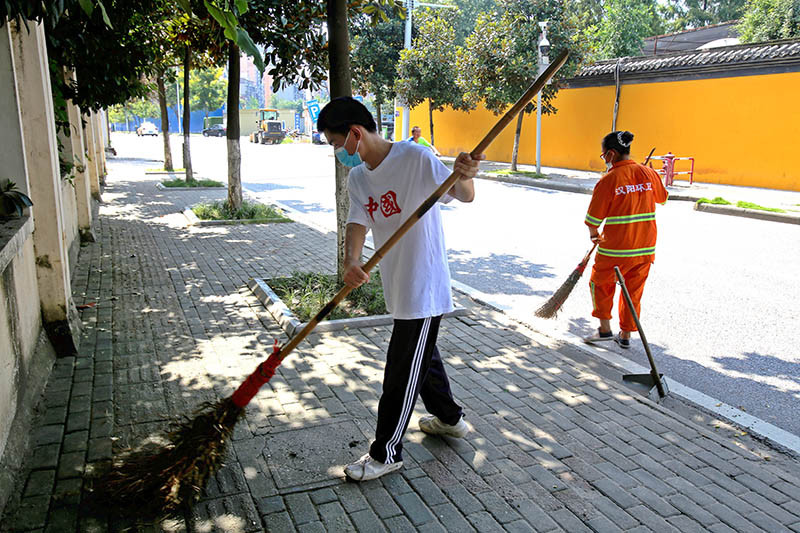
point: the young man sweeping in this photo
(387, 183)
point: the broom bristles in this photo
(551, 307)
(157, 482)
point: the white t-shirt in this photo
(415, 274)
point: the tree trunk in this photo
(340, 83)
(162, 103)
(380, 125)
(234, 153)
(515, 152)
(187, 116)
(430, 118)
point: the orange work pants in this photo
(603, 284)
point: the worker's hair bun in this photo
(624, 138)
(619, 141)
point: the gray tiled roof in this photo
(739, 56)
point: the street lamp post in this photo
(410, 5)
(544, 61)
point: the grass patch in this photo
(751, 205)
(526, 173)
(220, 210)
(287, 140)
(716, 201)
(178, 182)
(741, 203)
(305, 294)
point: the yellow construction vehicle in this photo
(270, 129)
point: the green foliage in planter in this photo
(11, 200)
(306, 293)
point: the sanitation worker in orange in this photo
(625, 198)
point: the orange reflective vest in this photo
(626, 199)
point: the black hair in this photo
(341, 113)
(619, 141)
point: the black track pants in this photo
(413, 367)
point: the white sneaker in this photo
(434, 426)
(368, 468)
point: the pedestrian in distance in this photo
(625, 198)
(416, 137)
(387, 183)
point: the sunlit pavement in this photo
(719, 310)
(555, 446)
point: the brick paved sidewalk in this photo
(555, 447)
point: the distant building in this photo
(251, 84)
(724, 34)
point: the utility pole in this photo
(544, 61)
(410, 5)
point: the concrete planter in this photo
(291, 324)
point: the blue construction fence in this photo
(196, 122)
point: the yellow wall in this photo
(741, 130)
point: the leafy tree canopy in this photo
(207, 88)
(374, 57)
(428, 70)
(623, 27)
(698, 13)
(500, 58)
(767, 20)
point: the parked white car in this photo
(147, 128)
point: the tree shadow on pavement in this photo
(497, 273)
(756, 377)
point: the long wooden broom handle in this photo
(537, 86)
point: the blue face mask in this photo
(348, 160)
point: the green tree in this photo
(374, 55)
(699, 13)
(623, 27)
(466, 16)
(768, 20)
(428, 70)
(207, 89)
(500, 58)
(251, 103)
(300, 51)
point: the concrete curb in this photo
(533, 182)
(291, 325)
(163, 187)
(732, 210)
(777, 437)
(560, 186)
(194, 221)
(166, 173)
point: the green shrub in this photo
(177, 182)
(526, 173)
(306, 293)
(221, 210)
(751, 205)
(716, 201)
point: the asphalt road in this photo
(721, 309)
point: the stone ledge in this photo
(194, 221)
(13, 234)
(786, 218)
(291, 324)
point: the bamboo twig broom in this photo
(159, 482)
